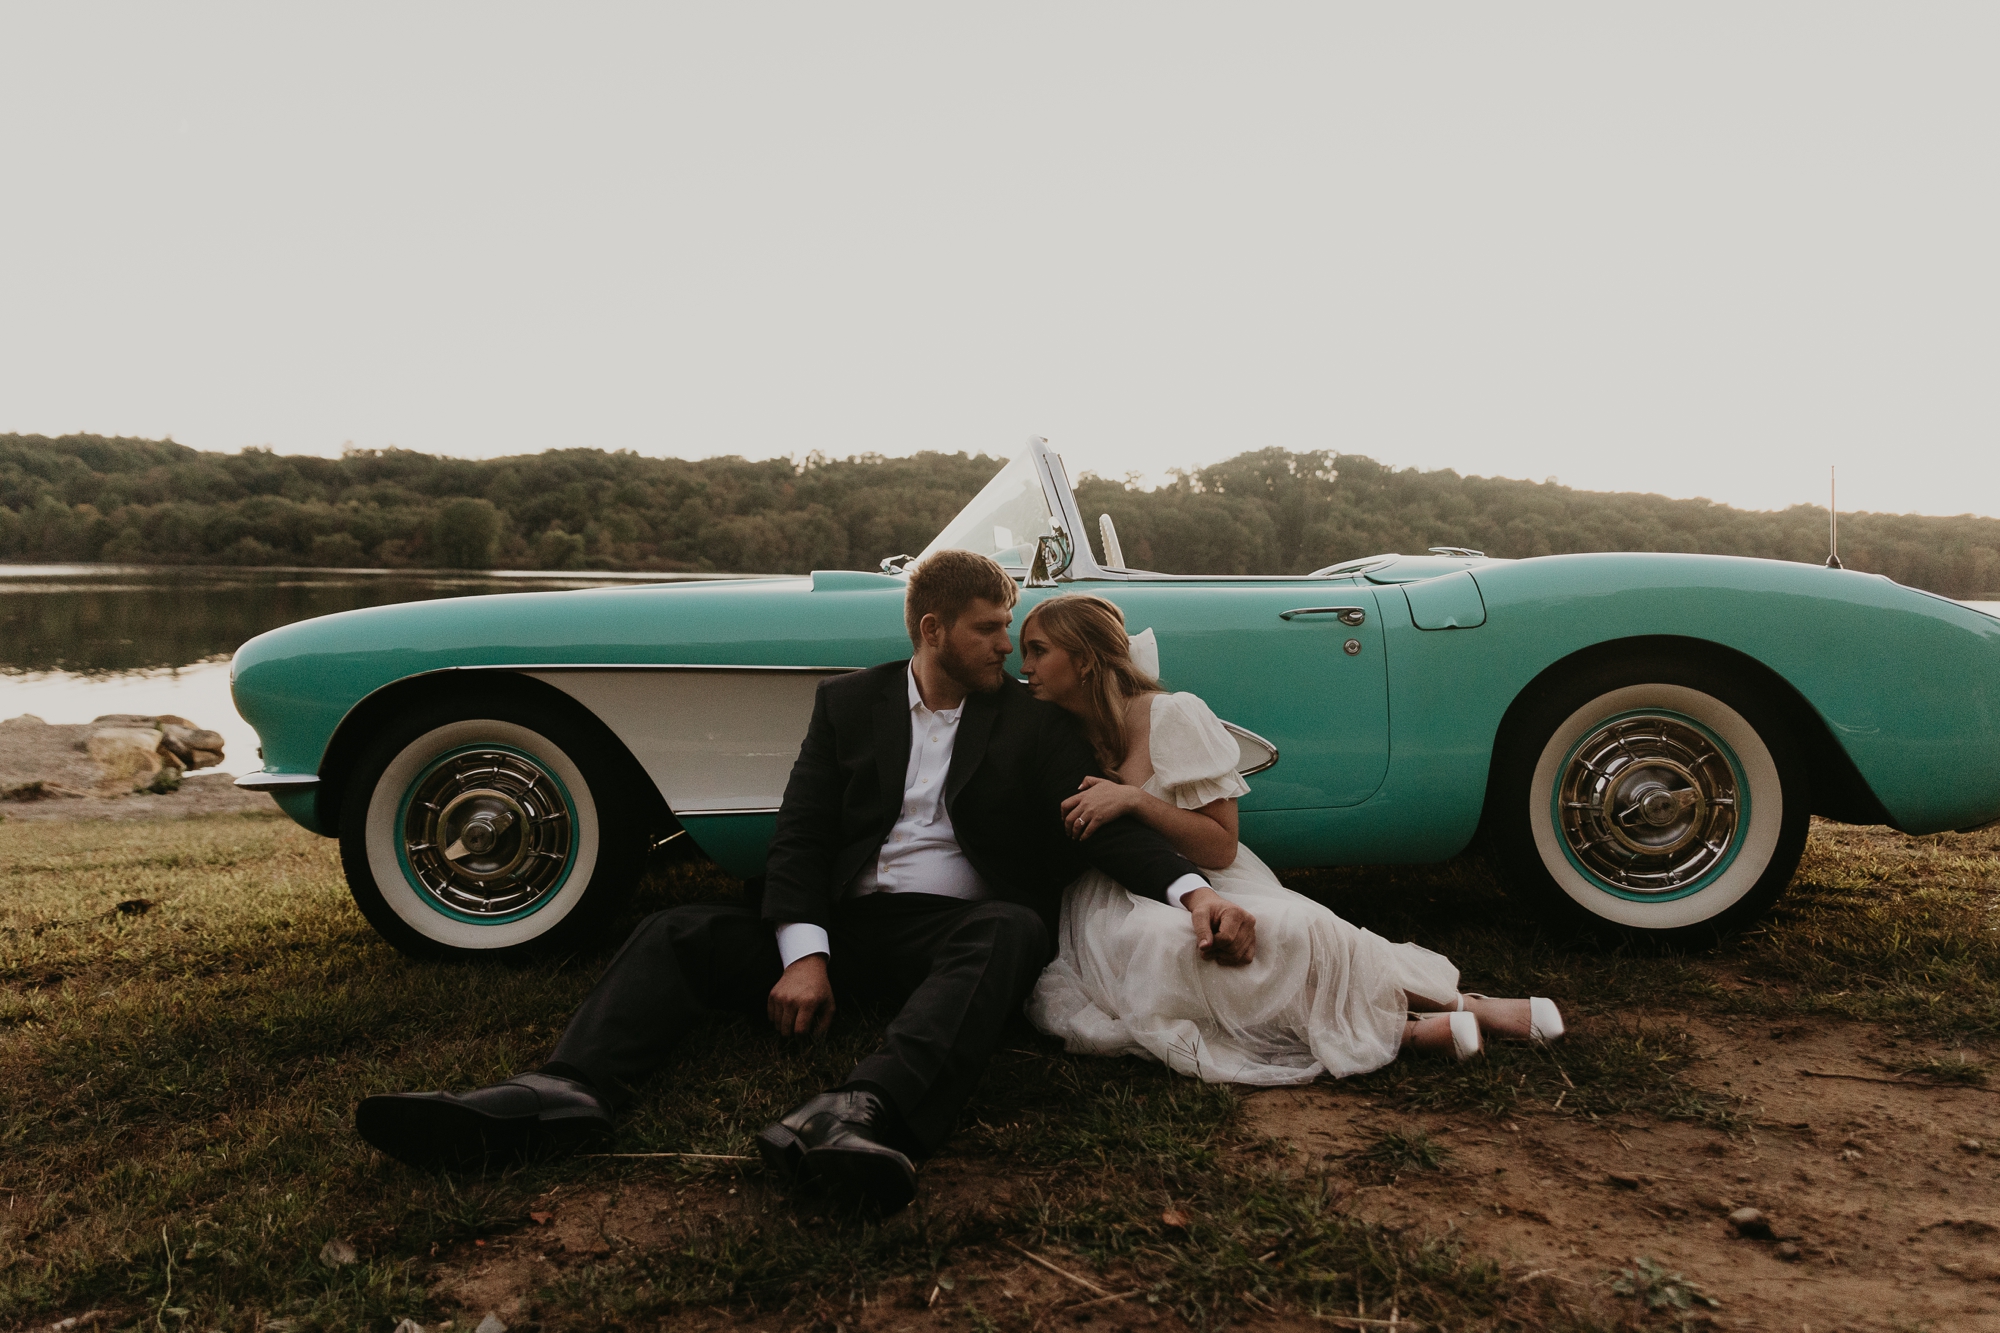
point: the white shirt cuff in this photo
(1176, 891)
(801, 939)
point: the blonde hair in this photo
(1092, 631)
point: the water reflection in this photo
(79, 641)
(110, 618)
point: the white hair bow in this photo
(1146, 652)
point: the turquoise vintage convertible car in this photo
(1639, 739)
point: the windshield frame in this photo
(1067, 519)
(1058, 498)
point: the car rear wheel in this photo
(1651, 800)
(488, 827)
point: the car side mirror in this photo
(1052, 557)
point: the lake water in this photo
(79, 641)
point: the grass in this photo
(189, 1010)
(1895, 930)
(1400, 1150)
(1613, 1062)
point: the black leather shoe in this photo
(837, 1138)
(526, 1116)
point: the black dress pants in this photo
(957, 970)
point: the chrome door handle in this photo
(1349, 615)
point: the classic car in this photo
(1638, 740)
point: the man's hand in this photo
(1223, 932)
(802, 1001)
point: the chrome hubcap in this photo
(488, 834)
(1648, 804)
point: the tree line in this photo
(96, 498)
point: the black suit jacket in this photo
(1014, 762)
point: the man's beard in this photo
(977, 677)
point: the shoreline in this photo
(200, 794)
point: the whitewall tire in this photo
(494, 831)
(1668, 806)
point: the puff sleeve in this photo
(1194, 756)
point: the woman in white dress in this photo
(1248, 982)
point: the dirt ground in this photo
(1882, 1196)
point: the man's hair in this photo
(946, 582)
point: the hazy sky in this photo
(1695, 249)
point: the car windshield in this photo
(1004, 519)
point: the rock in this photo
(193, 746)
(1617, 1181)
(1751, 1224)
(129, 757)
(116, 754)
(1788, 1252)
(1971, 1145)
(409, 1326)
(139, 753)
(491, 1324)
(337, 1253)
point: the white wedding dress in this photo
(1321, 996)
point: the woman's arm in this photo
(1206, 836)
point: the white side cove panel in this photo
(721, 740)
(713, 741)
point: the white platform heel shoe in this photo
(1545, 1021)
(1466, 1041)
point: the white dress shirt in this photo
(921, 853)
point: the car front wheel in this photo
(476, 830)
(1651, 800)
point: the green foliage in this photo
(1647, 1282)
(88, 497)
(1397, 1151)
(464, 532)
(1272, 511)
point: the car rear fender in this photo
(1906, 685)
(1839, 792)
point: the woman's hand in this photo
(1097, 803)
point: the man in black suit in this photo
(919, 861)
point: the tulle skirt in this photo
(1322, 996)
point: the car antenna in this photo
(1832, 523)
